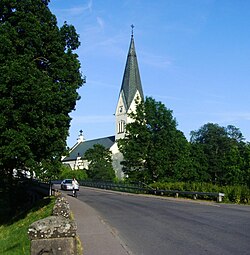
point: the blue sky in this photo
(194, 56)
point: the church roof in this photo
(80, 149)
(131, 79)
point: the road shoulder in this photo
(97, 237)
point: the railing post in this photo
(220, 197)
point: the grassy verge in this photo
(13, 235)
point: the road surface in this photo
(152, 226)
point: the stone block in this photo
(53, 235)
(55, 246)
(61, 207)
(52, 227)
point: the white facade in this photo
(121, 114)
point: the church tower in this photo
(131, 90)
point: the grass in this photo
(14, 239)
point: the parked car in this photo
(67, 185)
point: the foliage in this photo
(100, 163)
(153, 148)
(245, 154)
(39, 78)
(13, 235)
(220, 155)
(234, 194)
(68, 173)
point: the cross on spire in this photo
(132, 31)
(80, 137)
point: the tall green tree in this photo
(221, 153)
(39, 78)
(199, 164)
(153, 148)
(100, 163)
(246, 165)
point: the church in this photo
(131, 90)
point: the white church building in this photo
(131, 90)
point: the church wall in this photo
(122, 115)
(77, 164)
(121, 118)
(117, 157)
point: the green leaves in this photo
(70, 37)
(38, 86)
(100, 163)
(153, 148)
(222, 154)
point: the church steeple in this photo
(131, 90)
(131, 82)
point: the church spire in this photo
(131, 90)
(131, 82)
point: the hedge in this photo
(234, 194)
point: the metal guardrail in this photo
(195, 194)
(143, 188)
(128, 187)
(40, 188)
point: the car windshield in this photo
(68, 181)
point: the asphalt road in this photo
(152, 226)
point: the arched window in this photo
(121, 127)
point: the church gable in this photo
(136, 100)
(121, 106)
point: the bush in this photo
(236, 194)
(68, 173)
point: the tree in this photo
(100, 163)
(221, 153)
(246, 165)
(153, 148)
(199, 164)
(39, 78)
(67, 173)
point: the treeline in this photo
(156, 151)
